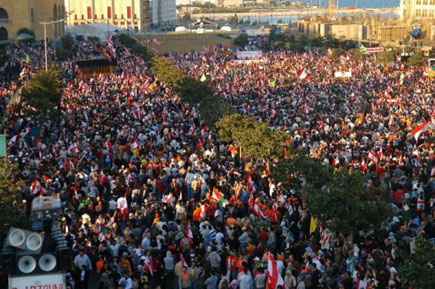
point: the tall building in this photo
(16, 14)
(163, 13)
(131, 14)
(411, 10)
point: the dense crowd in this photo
(142, 179)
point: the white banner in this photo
(249, 54)
(343, 74)
(41, 281)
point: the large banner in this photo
(43, 281)
(343, 74)
(249, 54)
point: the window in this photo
(109, 12)
(89, 12)
(129, 12)
(3, 15)
(102, 16)
(83, 16)
(122, 16)
(116, 16)
(135, 16)
(75, 16)
(418, 2)
(32, 14)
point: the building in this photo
(127, 14)
(391, 33)
(411, 10)
(354, 31)
(230, 3)
(28, 14)
(163, 13)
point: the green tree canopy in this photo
(255, 138)
(43, 93)
(418, 269)
(166, 71)
(11, 188)
(26, 31)
(416, 59)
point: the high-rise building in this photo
(411, 10)
(18, 14)
(127, 14)
(163, 13)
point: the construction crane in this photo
(331, 8)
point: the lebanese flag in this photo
(249, 183)
(422, 129)
(251, 201)
(363, 166)
(183, 262)
(216, 195)
(148, 265)
(303, 73)
(135, 144)
(373, 157)
(362, 284)
(73, 148)
(285, 154)
(101, 177)
(188, 230)
(13, 140)
(167, 199)
(257, 210)
(274, 279)
(36, 188)
(335, 162)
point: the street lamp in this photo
(45, 38)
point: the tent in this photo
(99, 30)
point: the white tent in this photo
(99, 30)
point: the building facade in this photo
(126, 14)
(411, 10)
(18, 14)
(163, 13)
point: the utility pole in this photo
(45, 38)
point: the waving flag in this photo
(218, 196)
(36, 188)
(73, 148)
(373, 157)
(362, 284)
(274, 279)
(421, 129)
(111, 45)
(13, 140)
(148, 265)
(303, 73)
(188, 230)
(135, 144)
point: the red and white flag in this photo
(336, 161)
(274, 279)
(421, 129)
(257, 210)
(148, 265)
(73, 148)
(303, 73)
(135, 144)
(167, 199)
(188, 230)
(183, 262)
(36, 188)
(362, 284)
(217, 195)
(373, 157)
(13, 140)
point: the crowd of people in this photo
(153, 199)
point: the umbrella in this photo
(24, 36)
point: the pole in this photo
(45, 46)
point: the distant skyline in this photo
(342, 3)
(359, 3)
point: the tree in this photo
(241, 40)
(193, 91)
(299, 169)
(67, 42)
(213, 110)
(418, 269)
(25, 30)
(416, 59)
(356, 54)
(43, 93)
(255, 139)
(166, 71)
(345, 203)
(10, 199)
(388, 55)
